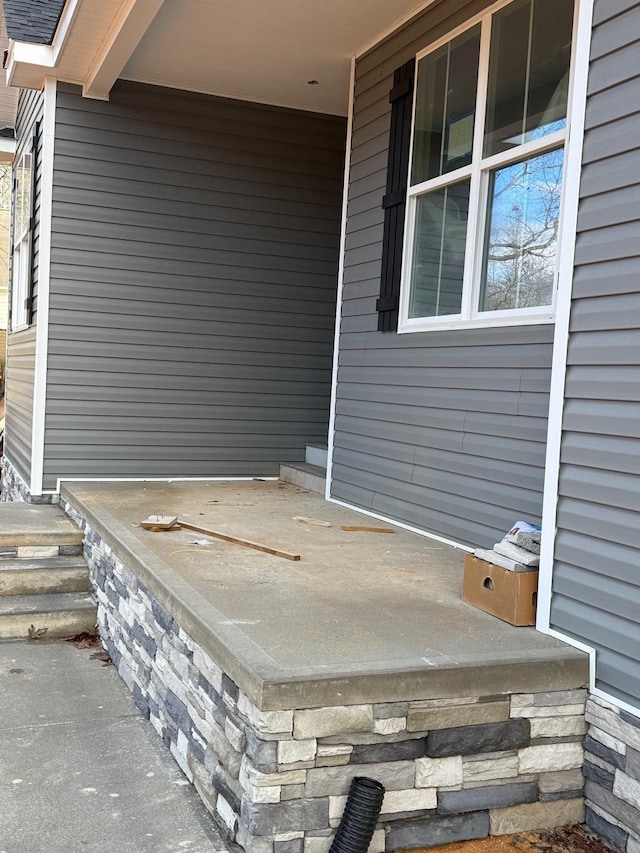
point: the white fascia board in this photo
(26, 61)
(7, 150)
(128, 29)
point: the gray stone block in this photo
(403, 750)
(230, 687)
(614, 835)
(263, 754)
(425, 717)
(219, 780)
(210, 690)
(470, 740)
(598, 775)
(439, 830)
(607, 801)
(632, 764)
(389, 710)
(294, 846)
(177, 710)
(561, 795)
(292, 816)
(409, 815)
(561, 697)
(147, 642)
(604, 752)
(164, 619)
(489, 797)
(291, 792)
(70, 550)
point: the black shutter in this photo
(32, 206)
(394, 201)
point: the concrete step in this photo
(310, 477)
(43, 576)
(36, 525)
(63, 615)
(316, 454)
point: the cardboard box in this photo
(511, 596)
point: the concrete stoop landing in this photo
(310, 474)
(44, 579)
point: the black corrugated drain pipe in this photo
(359, 817)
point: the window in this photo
(21, 272)
(485, 175)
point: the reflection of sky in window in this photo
(522, 232)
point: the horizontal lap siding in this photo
(444, 430)
(21, 357)
(194, 263)
(596, 587)
(21, 346)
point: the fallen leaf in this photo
(16, 671)
(101, 656)
(85, 639)
(36, 633)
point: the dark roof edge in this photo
(33, 21)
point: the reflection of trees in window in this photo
(522, 233)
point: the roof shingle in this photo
(32, 20)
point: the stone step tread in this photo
(64, 602)
(23, 524)
(304, 475)
(56, 564)
(307, 467)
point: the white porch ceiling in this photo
(263, 51)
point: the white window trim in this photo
(21, 251)
(478, 171)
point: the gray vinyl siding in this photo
(194, 276)
(443, 430)
(21, 359)
(596, 585)
(21, 346)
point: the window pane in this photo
(445, 107)
(438, 251)
(522, 232)
(528, 72)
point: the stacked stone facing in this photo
(276, 781)
(612, 774)
(15, 489)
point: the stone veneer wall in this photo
(276, 781)
(612, 773)
(15, 489)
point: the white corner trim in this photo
(595, 691)
(44, 281)
(62, 480)
(129, 27)
(343, 240)
(566, 254)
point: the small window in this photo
(485, 181)
(21, 266)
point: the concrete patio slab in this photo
(362, 617)
(80, 769)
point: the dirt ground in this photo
(571, 839)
